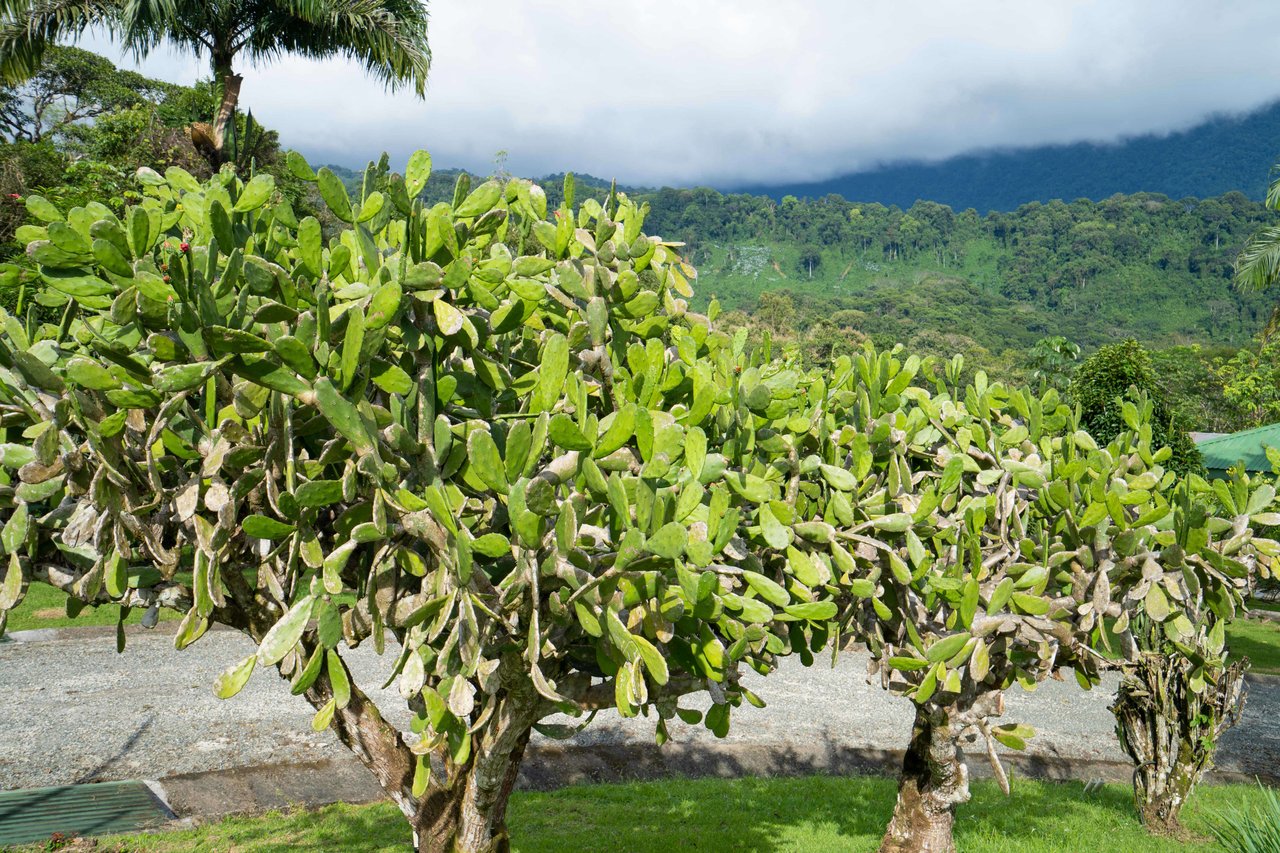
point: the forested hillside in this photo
(1142, 266)
(1221, 154)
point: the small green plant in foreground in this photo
(1249, 827)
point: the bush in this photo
(1105, 380)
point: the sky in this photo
(742, 92)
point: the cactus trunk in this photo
(1171, 732)
(934, 781)
(463, 809)
(470, 816)
(467, 811)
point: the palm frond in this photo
(1258, 265)
(186, 23)
(1273, 191)
(387, 37)
(29, 27)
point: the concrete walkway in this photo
(72, 710)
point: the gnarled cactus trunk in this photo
(934, 781)
(467, 813)
(464, 807)
(1171, 732)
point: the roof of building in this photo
(1249, 446)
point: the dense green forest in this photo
(1141, 266)
(1024, 294)
(1223, 153)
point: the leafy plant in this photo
(1123, 372)
(1053, 361)
(1251, 381)
(1249, 829)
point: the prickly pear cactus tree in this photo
(493, 443)
(1178, 691)
(976, 538)
(945, 562)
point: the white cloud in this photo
(751, 91)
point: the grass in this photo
(1257, 640)
(46, 607)
(836, 814)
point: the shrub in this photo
(1106, 378)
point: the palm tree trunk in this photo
(230, 83)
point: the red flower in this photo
(15, 195)
(185, 248)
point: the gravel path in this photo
(72, 710)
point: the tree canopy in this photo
(387, 37)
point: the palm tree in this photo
(388, 37)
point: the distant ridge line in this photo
(1224, 152)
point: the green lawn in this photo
(1258, 640)
(762, 815)
(46, 607)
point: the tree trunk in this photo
(470, 814)
(464, 808)
(230, 82)
(378, 744)
(1170, 732)
(934, 781)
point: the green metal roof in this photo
(1249, 446)
(100, 808)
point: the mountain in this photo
(1223, 153)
